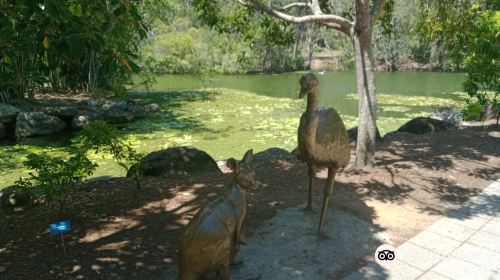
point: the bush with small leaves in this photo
(103, 137)
(472, 111)
(54, 177)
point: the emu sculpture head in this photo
(243, 171)
(308, 84)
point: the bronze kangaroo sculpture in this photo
(212, 237)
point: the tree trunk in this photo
(362, 41)
(310, 48)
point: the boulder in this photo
(84, 118)
(394, 134)
(2, 130)
(100, 179)
(422, 125)
(115, 116)
(63, 112)
(353, 134)
(15, 198)
(175, 161)
(488, 112)
(153, 107)
(37, 123)
(108, 104)
(139, 112)
(8, 113)
(450, 115)
(271, 154)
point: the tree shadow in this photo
(437, 166)
(170, 115)
(121, 233)
(485, 205)
(439, 151)
(387, 190)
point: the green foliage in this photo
(396, 40)
(55, 177)
(472, 111)
(105, 138)
(233, 40)
(70, 44)
(182, 48)
(470, 30)
(482, 60)
(234, 18)
(237, 40)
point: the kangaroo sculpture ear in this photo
(247, 158)
(232, 164)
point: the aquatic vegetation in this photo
(224, 122)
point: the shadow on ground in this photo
(122, 233)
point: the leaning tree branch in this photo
(291, 5)
(377, 10)
(332, 21)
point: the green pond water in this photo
(226, 115)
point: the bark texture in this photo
(362, 41)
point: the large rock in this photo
(8, 113)
(84, 118)
(422, 125)
(153, 107)
(2, 130)
(353, 134)
(64, 112)
(139, 112)
(176, 161)
(115, 116)
(107, 104)
(15, 198)
(37, 123)
(449, 115)
(271, 154)
(488, 112)
(394, 135)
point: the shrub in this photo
(55, 177)
(472, 111)
(103, 137)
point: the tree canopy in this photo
(470, 31)
(70, 44)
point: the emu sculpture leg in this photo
(326, 196)
(312, 175)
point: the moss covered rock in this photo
(174, 162)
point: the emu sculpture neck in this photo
(312, 100)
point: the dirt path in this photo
(122, 233)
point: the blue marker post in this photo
(60, 228)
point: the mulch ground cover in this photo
(120, 232)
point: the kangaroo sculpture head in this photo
(244, 175)
(308, 84)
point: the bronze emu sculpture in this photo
(212, 237)
(322, 139)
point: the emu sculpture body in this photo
(322, 141)
(212, 237)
